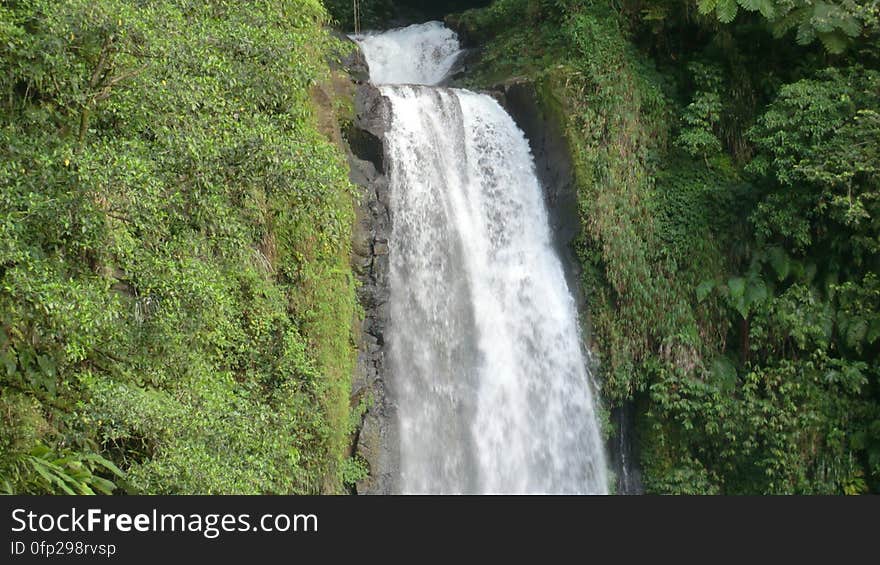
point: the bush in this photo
(175, 293)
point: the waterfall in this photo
(484, 351)
(418, 54)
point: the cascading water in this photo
(484, 349)
(418, 54)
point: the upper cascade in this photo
(417, 54)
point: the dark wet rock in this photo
(376, 435)
(366, 147)
(372, 110)
(375, 440)
(623, 449)
(467, 60)
(351, 59)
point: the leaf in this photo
(726, 11)
(834, 42)
(706, 7)
(737, 287)
(824, 16)
(9, 361)
(724, 372)
(873, 331)
(805, 33)
(779, 261)
(40, 451)
(765, 7)
(742, 307)
(704, 290)
(46, 471)
(83, 488)
(46, 364)
(103, 486)
(756, 292)
(856, 331)
(106, 463)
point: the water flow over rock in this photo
(484, 349)
(418, 54)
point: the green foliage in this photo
(71, 474)
(820, 141)
(27, 464)
(175, 294)
(354, 469)
(787, 429)
(836, 23)
(373, 13)
(731, 273)
(702, 116)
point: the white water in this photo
(418, 54)
(485, 354)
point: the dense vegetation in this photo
(176, 301)
(726, 157)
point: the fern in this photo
(72, 473)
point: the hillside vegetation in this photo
(176, 301)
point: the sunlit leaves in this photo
(834, 23)
(191, 248)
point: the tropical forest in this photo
(385, 247)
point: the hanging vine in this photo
(357, 16)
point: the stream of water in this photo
(485, 355)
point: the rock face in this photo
(623, 450)
(352, 62)
(376, 440)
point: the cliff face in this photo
(374, 440)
